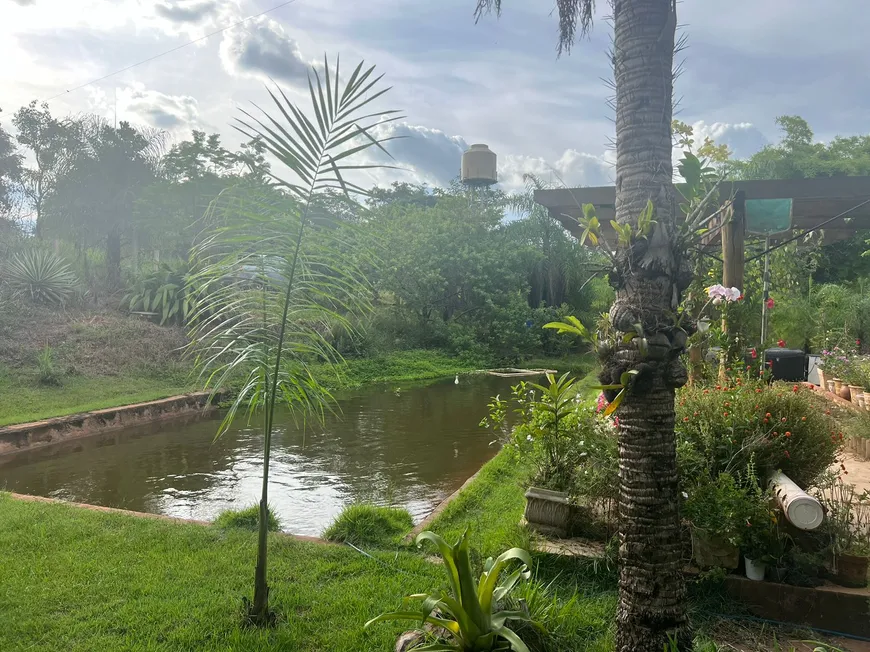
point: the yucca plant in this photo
(40, 275)
(271, 268)
(469, 613)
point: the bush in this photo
(779, 426)
(164, 293)
(246, 519)
(40, 275)
(47, 371)
(369, 525)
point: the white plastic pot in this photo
(754, 569)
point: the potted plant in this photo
(848, 526)
(716, 510)
(761, 542)
(471, 616)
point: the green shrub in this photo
(246, 519)
(40, 275)
(162, 292)
(47, 371)
(369, 525)
(723, 429)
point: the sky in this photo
(497, 82)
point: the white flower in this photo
(732, 294)
(582, 442)
(529, 437)
(685, 495)
(583, 454)
(717, 301)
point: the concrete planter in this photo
(855, 392)
(851, 571)
(548, 512)
(710, 552)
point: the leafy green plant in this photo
(47, 371)
(362, 524)
(719, 507)
(469, 613)
(40, 275)
(163, 293)
(246, 519)
(779, 426)
(272, 268)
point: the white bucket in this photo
(754, 569)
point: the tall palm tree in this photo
(270, 271)
(649, 277)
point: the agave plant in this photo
(41, 275)
(469, 613)
(270, 270)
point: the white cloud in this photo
(140, 105)
(429, 155)
(573, 169)
(262, 48)
(742, 138)
(186, 11)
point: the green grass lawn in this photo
(24, 399)
(77, 580)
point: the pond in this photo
(408, 447)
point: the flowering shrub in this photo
(847, 365)
(723, 429)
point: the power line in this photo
(170, 51)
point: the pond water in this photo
(409, 448)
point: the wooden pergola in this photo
(814, 202)
(835, 207)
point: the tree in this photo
(94, 200)
(648, 275)
(273, 274)
(10, 169)
(53, 143)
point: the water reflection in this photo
(410, 448)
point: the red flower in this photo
(740, 298)
(754, 355)
(767, 415)
(770, 303)
(803, 418)
(724, 414)
(685, 418)
(783, 419)
(727, 404)
(770, 363)
(775, 433)
(764, 421)
(857, 342)
(787, 433)
(780, 343)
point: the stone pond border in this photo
(156, 517)
(38, 434)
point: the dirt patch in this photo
(102, 342)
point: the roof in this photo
(813, 202)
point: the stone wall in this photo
(27, 436)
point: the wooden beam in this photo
(734, 243)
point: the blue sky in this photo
(497, 82)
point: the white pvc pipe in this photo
(802, 510)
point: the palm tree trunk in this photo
(651, 275)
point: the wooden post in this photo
(734, 243)
(733, 254)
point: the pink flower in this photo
(770, 303)
(754, 354)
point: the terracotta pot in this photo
(548, 511)
(851, 571)
(710, 552)
(838, 385)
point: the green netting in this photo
(768, 216)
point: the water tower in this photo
(479, 168)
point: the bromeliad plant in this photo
(272, 269)
(469, 613)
